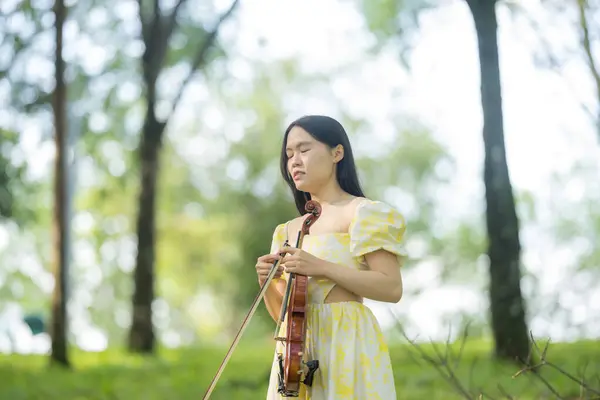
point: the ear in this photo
(338, 153)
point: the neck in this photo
(330, 194)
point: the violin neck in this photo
(299, 241)
(288, 290)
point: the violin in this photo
(291, 365)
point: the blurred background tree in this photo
(162, 252)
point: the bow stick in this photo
(245, 323)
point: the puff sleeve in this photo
(278, 238)
(376, 226)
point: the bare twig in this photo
(443, 364)
(463, 341)
(582, 390)
(170, 24)
(587, 49)
(544, 361)
(554, 63)
(504, 392)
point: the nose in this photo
(295, 160)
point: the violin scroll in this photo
(314, 210)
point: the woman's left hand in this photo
(300, 262)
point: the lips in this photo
(297, 174)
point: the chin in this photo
(302, 186)
(308, 186)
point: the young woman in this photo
(354, 251)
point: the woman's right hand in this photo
(263, 266)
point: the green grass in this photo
(185, 374)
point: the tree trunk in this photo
(59, 326)
(156, 33)
(506, 300)
(141, 335)
(6, 197)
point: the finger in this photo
(270, 258)
(267, 268)
(264, 265)
(264, 272)
(292, 269)
(265, 275)
(279, 271)
(289, 250)
(261, 267)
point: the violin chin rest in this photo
(312, 366)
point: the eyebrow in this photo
(297, 145)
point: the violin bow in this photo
(245, 323)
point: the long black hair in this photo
(330, 132)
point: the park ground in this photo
(185, 373)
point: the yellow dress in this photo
(345, 337)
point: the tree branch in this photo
(156, 34)
(587, 48)
(543, 361)
(442, 363)
(143, 23)
(200, 58)
(170, 24)
(553, 61)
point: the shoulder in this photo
(282, 229)
(376, 225)
(294, 225)
(374, 212)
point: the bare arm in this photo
(274, 297)
(274, 293)
(383, 282)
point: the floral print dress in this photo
(345, 337)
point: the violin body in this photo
(296, 334)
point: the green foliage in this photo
(21, 43)
(394, 22)
(185, 374)
(9, 173)
(576, 222)
(213, 217)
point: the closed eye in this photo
(289, 155)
